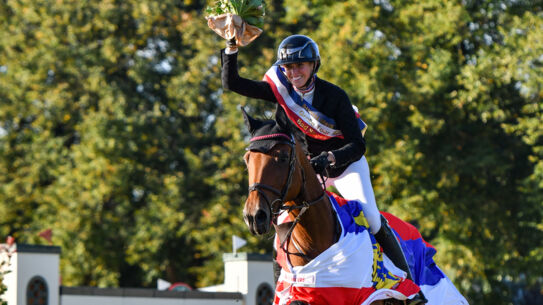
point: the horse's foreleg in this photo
(276, 268)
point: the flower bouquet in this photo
(238, 19)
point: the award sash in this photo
(306, 117)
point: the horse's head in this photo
(274, 173)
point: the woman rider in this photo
(325, 115)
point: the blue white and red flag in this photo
(355, 271)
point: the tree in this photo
(115, 132)
(106, 135)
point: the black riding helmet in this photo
(298, 48)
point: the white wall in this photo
(245, 272)
(27, 262)
(259, 272)
(45, 265)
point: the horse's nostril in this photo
(261, 217)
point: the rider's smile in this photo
(298, 73)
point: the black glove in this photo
(320, 162)
(231, 43)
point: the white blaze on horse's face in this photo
(266, 171)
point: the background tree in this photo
(106, 135)
(115, 132)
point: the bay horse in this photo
(316, 240)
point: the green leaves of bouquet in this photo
(251, 11)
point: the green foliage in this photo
(115, 132)
(3, 287)
(251, 11)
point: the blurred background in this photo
(118, 144)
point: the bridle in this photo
(283, 192)
(277, 206)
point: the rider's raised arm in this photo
(246, 87)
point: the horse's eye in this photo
(282, 158)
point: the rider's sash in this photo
(308, 119)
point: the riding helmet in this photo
(298, 48)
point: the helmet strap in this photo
(309, 85)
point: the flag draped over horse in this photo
(354, 270)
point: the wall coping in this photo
(242, 256)
(148, 293)
(27, 248)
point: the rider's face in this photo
(298, 73)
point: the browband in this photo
(271, 136)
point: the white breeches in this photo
(355, 183)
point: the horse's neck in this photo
(314, 234)
(316, 230)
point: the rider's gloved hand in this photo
(320, 162)
(231, 45)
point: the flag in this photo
(162, 284)
(47, 234)
(237, 242)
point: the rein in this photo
(283, 232)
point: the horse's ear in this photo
(282, 119)
(252, 124)
(286, 124)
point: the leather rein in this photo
(277, 206)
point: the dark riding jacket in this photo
(328, 98)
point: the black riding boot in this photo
(391, 246)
